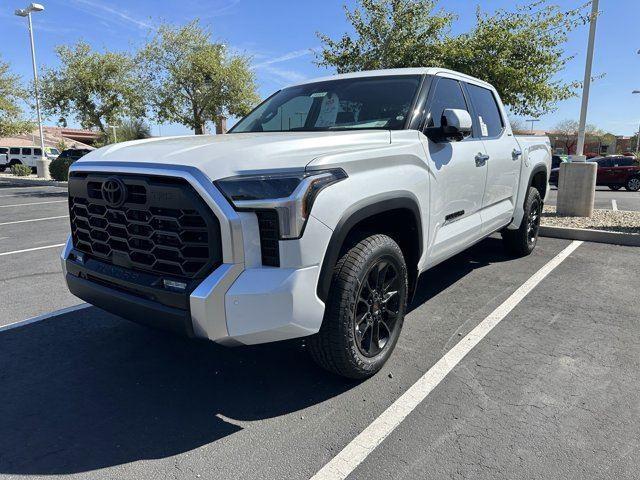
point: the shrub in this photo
(20, 170)
(59, 168)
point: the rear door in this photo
(458, 180)
(26, 156)
(621, 169)
(504, 164)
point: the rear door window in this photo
(487, 111)
(26, 151)
(37, 151)
(14, 151)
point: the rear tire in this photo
(365, 309)
(522, 241)
(633, 184)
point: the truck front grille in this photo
(157, 224)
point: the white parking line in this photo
(31, 249)
(32, 203)
(360, 447)
(26, 194)
(34, 220)
(39, 318)
(614, 204)
(2, 189)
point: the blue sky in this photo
(280, 35)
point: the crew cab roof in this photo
(395, 71)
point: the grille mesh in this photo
(163, 226)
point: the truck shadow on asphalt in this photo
(87, 390)
(442, 276)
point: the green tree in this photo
(192, 80)
(520, 52)
(97, 89)
(11, 94)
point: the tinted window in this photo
(625, 162)
(487, 111)
(4, 150)
(604, 162)
(356, 103)
(26, 151)
(14, 151)
(448, 94)
(37, 151)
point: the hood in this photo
(220, 156)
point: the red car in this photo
(613, 172)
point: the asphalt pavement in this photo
(607, 199)
(553, 391)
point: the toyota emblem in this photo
(114, 192)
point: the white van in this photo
(25, 155)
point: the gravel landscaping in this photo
(608, 220)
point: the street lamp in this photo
(42, 164)
(577, 179)
(532, 120)
(638, 133)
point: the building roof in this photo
(53, 136)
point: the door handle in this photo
(516, 153)
(481, 159)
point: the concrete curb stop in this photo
(31, 182)
(588, 235)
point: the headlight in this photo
(291, 195)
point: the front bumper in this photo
(240, 301)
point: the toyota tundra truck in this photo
(313, 217)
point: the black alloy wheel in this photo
(378, 308)
(533, 222)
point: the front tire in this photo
(522, 241)
(365, 309)
(615, 188)
(633, 184)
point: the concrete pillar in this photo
(42, 167)
(576, 187)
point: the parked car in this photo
(24, 156)
(4, 158)
(556, 160)
(312, 218)
(614, 172)
(74, 153)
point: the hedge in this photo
(59, 168)
(20, 170)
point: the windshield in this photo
(356, 103)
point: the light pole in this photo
(115, 136)
(532, 120)
(638, 132)
(577, 179)
(42, 164)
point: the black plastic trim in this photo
(357, 213)
(131, 307)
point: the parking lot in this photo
(607, 199)
(552, 391)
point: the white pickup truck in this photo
(312, 218)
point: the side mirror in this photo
(456, 123)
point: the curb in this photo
(30, 182)
(587, 235)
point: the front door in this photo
(504, 163)
(459, 174)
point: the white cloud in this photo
(90, 7)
